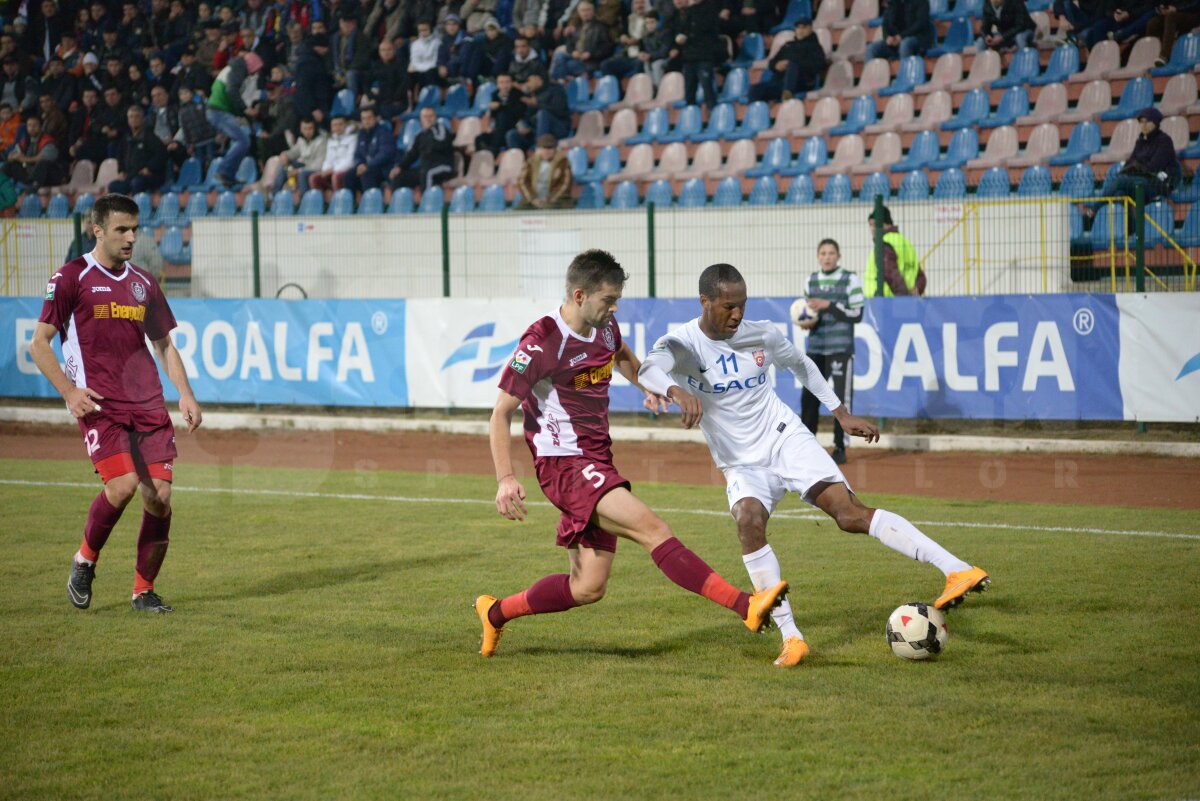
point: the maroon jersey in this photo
(103, 319)
(562, 380)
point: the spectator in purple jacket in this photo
(1153, 165)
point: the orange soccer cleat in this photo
(794, 649)
(491, 634)
(762, 604)
(959, 584)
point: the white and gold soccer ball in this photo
(803, 313)
(917, 630)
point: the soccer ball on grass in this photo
(803, 313)
(917, 631)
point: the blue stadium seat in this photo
(1108, 228)
(660, 195)
(210, 181)
(172, 247)
(493, 198)
(1185, 55)
(915, 186)
(1078, 182)
(577, 158)
(483, 97)
(1075, 221)
(516, 200)
(607, 92)
(777, 156)
(960, 35)
(432, 200)
(910, 76)
(145, 207)
(1192, 151)
(408, 133)
(167, 213)
(813, 153)
(463, 200)
(693, 194)
(938, 9)
(608, 162)
(577, 93)
(428, 98)
(863, 112)
(721, 123)
(765, 192)
(343, 104)
(973, 109)
(312, 204)
(1064, 62)
(925, 148)
(283, 204)
(654, 127)
(247, 171)
(59, 209)
(837, 189)
(84, 202)
(795, 10)
(341, 204)
(197, 206)
(456, 101)
(252, 202)
(625, 196)
(402, 201)
(728, 194)
(877, 183)
(1138, 94)
(756, 119)
(371, 202)
(801, 192)
(591, 197)
(1021, 70)
(1013, 103)
(752, 49)
(1035, 182)
(1084, 141)
(993, 184)
(963, 147)
(1189, 233)
(191, 173)
(736, 88)
(1162, 213)
(226, 205)
(1187, 192)
(951, 185)
(688, 123)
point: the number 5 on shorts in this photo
(592, 475)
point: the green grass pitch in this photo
(323, 647)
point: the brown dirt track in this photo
(1148, 481)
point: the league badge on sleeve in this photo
(520, 361)
(50, 287)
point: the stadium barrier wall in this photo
(1071, 356)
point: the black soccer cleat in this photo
(149, 601)
(79, 585)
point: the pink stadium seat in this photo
(481, 168)
(509, 168)
(826, 114)
(1095, 99)
(468, 129)
(1141, 59)
(777, 43)
(946, 72)
(637, 166)
(624, 125)
(788, 117)
(109, 169)
(1043, 39)
(588, 133)
(825, 39)
(897, 112)
(1121, 145)
(839, 80)
(669, 90)
(1002, 145)
(984, 69)
(742, 156)
(1179, 94)
(829, 14)
(875, 75)
(1102, 60)
(1043, 143)
(887, 151)
(861, 12)
(852, 45)
(706, 159)
(673, 161)
(270, 172)
(1051, 104)
(1177, 129)
(849, 154)
(639, 90)
(934, 112)
(82, 175)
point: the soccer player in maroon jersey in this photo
(559, 376)
(103, 309)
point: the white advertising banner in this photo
(1160, 356)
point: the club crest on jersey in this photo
(139, 292)
(759, 357)
(610, 342)
(520, 361)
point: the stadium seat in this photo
(934, 111)
(1014, 103)
(197, 206)
(1141, 59)
(756, 119)
(172, 247)
(741, 157)
(428, 98)
(226, 205)
(973, 110)
(455, 102)
(687, 124)
(1184, 56)
(342, 203)
(951, 185)
(959, 36)
(1138, 94)
(765, 192)
(947, 71)
(993, 184)
(837, 190)
(190, 174)
(247, 171)
(578, 92)
(1189, 233)
(463, 200)
(801, 191)
(656, 125)
(910, 76)
(963, 147)
(479, 106)
(312, 204)
(83, 203)
(432, 200)
(607, 92)
(693, 194)
(862, 12)
(343, 104)
(721, 122)
(877, 183)
(639, 89)
(984, 69)
(145, 207)
(1064, 62)
(625, 196)
(493, 199)
(577, 160)
(1102, 60)
(588, 132)
(481, 167)
(862, 113)
(1084, 141)
(468, 131)
(402, 200)
(705, 160)
(253, 202)
(1078, 182)
(789, 116)
(1094, 100)
(736, 88)
(591, 197)
(728, 194)
(776, 157)
(1022, 69)
(1108, 228)
(1075, 222)
(670, 89)
(826, 114)
(508, 170)
(167, 213)
(795, 10)
(59, 209)
(408, 133)
(1162, 230)
(839, 81)
(608, 162)
(813, 153)
(850, 153)
(671, 162)
(752, 50)
(899, 110)
(1188, 192)
(1050, 106)
(853, 44)
(622, 127)
(1002, 146)
(924, 149)
(884, 154)
(915, 186)
(876, 75)
(1120, 144)
(659, 193)
(638, 164)
(283, 204)
(1035, 182)
(1179, 95)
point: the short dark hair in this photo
(716, 274)
(592, 269)
(112, 203)
(886, 215)
(828, 241)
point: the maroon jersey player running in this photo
(559, 376)
(104, 308)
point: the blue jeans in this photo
(1135, 26)
(1122, 185)
(544, 123)
(909, 46)
(563, 66)
(239, 141)
(1022, 39)
(699, 73)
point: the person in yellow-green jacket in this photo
(902, 273)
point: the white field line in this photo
(786, 515)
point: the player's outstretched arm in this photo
(80, 400)
(856, 426)
(510, 495)
(173, 364)
(627, 364)
(655, 377)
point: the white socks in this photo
(763, 568)
(80, 560)
(900, 535)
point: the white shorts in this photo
(797, 464)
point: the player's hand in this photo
(82, 401)
(510, 498)
(808, 325)
(191, 413)
(856, 426)
(655, 403)
(820, 304)
(689, 406)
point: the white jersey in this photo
(743, 418)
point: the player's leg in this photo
(153, 540)
(838, 373)
(810, 406)
(897, 533)
(624, 514)
(763, 566)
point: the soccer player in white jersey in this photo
(716, 369)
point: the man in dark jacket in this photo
(1153, 165)
(584, 48)
(797, 68)
(1170, 20)
(373, 155)
(143, 158)
(85, 138)
(387, 82)
(546, 113)
(505, 110)
(314, 89)
(700, 48)
(1124, 20)
(907, 30)
(351, 51)
(1006, 24)
(525, 62)
(35, 160)
(430, 160)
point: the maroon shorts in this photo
(575, 484)
(130, 440)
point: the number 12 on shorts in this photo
(595, 477)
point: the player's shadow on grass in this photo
(643, 650)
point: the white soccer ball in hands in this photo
(917, 631)
(803, 313)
